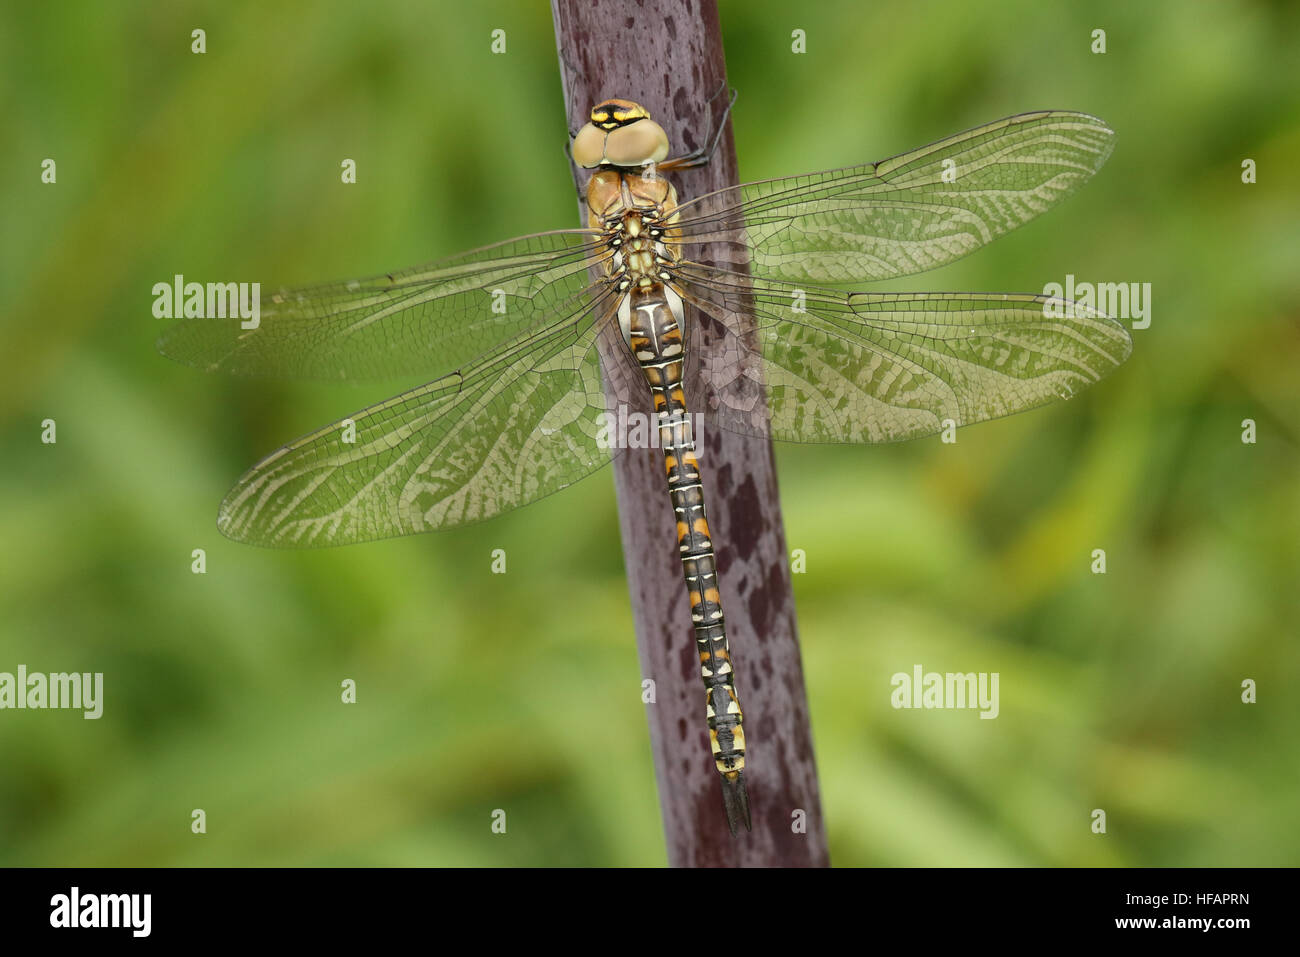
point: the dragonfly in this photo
(723, 310)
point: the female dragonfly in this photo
(515, 338)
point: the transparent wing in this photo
(423, 321)
(881, 367)
(522, 422)
(903, 215)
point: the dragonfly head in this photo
(620, 133)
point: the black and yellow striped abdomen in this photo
(655, 337)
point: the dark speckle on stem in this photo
(745, 537)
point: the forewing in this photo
(423, 321)
(916, 211)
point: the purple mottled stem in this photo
(667, 55)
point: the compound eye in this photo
(589, 147)
(637, 144)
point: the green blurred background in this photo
(1119, 691)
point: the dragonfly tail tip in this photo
(736, 801)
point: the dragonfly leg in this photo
(701, 156)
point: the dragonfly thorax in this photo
(638, 216)
(637, 213)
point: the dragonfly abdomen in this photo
(655, 337)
